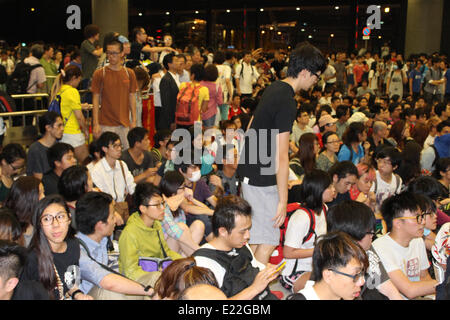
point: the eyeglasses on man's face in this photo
(160, 205)
(420, 218)
(355, 277)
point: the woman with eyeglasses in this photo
(428, 208)
(338, 268)
(143, 235)
(328, 155)
(12, 162)
(358, 221)
(54, 253)
(181, 237)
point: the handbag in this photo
(123, 207)
(151, 264)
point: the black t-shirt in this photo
(276, 110)
(30, 290)
(339, 198)
(67, 265)
(50, 181)
(137, 169)
(136, 53)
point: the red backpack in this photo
(187, 111)
(277, 255)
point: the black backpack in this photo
(239, 273)
(3, 74)
(18, 81)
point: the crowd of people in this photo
(329, 174)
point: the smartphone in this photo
(279, 267)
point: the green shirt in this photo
(50, 70)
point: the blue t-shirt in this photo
(345, 153)
(417, 80)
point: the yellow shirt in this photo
(70, 101)
(203, 95)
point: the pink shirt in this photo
(215, 99)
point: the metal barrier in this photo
(23, 134)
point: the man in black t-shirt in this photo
(264, 177)
(140, 49)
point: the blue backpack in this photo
(55, 106)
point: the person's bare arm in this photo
(412, 289)
(282, 175)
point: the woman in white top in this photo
(306, 224)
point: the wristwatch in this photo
(75, 293)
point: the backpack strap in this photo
(312, 224)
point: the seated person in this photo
(177, 198)
(228, 182)
(138, 159)
(339, 266)
(387, 183)
(12, 162)
(60, 157)
(402, 250)
(143, 235)
(95, 220)
(344, 175)
(180, 275)
(229, 247)
(158, 151)
(110, 174)
(167, 164)
(357, 220)
(51, 127)
(12, 260)
(202, 292)
(305, 225)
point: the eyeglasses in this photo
(48, 219)
(315, 74)
(372, 233)
(117, 146)
(384, 161)
(161, 205)
(112, 53)
(355, 277)
(16, 169)
(420, 218)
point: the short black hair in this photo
(144, 192)
(341, 110)
(136, 134)
(170, 182)
(12, 152)
(91, 30)
(395, 206)
(168, 58)
(57, 151)
(198, 71)
(47, 119)
(73, 182)
(91, 208)
(106, 139)
(342, 169)
(442, 125)
(160, 136)
(352, 217)
(12, 260)
(390, 152)
(225, 213)
(211, 73)
(334, 250)
(426, 185)
(306, 57)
